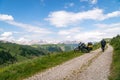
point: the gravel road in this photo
(90, 66)
(99, 68)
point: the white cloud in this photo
(113, 14)
(4, 17)
(101, 31)
(89, 36)
(69, 31)
(59, 18)
(69, 5)
(89, 1)
(81, 35)
(110, 29)
(10, 39)
(7, 34)
(29, 28)
(113, 25)
(64, 18)
(93, 1)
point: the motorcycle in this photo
(83, 48)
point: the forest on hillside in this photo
(12, 52)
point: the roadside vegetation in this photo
(115, 69)
(55, 47)
(25, 69)
(11, 53)
(96, 45)
(29, 67)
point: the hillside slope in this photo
(56, 47)
(11, 52)
(115, 69)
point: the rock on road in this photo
(91, 66)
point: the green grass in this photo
(25, 69)
(115, 67)
(96, 46)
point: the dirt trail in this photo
(99, 68)
(90, 66)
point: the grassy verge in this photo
(115, 69)
(96, 46)
(25, 69)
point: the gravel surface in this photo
(63, 71)
(90, 66)
(99, 68)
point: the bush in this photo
(6, 57)
(115, 67)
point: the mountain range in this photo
(31, 42)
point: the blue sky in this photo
(58, 20)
